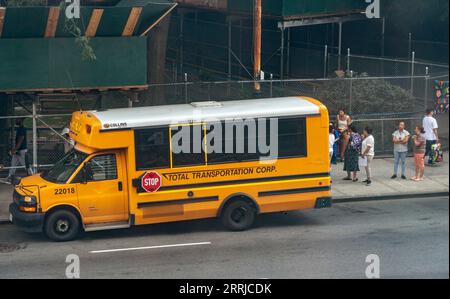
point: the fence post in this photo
(186, 88)
(181, 41)
(351, 93)
(271, 85)
(35, 137)
(409, 45)
(325, 62)
(348, 60)
(383, 142)
(340, 46)
(413, 58)
(209, 91)
(427, 77)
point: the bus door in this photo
(101, 186)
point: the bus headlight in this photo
(27, 204)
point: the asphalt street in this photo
(410, 236)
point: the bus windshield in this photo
(64, 169)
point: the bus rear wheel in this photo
(62, 226)
(239, 215)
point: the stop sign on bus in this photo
(151, 181)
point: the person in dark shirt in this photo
(19, 151)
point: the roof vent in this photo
(209, 104)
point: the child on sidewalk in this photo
(419, 153)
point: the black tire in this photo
(238, 215)
(62, 226)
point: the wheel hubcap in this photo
(62, 226)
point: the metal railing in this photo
(378, 102)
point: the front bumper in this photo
(28, 222)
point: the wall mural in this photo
(441, 96)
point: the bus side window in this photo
(99, 168)
(152, 148)
(292, 138)
(193, 157)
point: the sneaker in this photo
(366, 181)
(404, 177)
(394, 177)
(369, 183)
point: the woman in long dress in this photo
(352, 153)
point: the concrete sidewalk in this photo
(436, 182)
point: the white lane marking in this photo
(150, 247)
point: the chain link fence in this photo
(378, 102)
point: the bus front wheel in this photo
(62, 226)
(238, 215)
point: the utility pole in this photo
(257, 42)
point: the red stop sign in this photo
(151, 181)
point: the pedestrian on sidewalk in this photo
(352, 154)
(431, 127)
(69, 143)
(343, 121)
(400, 138)
(331, 142)
(368, 153)
(419, 153)
(19, 152)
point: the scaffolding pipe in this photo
(288, 49)
(35, 149)
(282, 55)
(340, 46)
(325, 61)
(257, 42)
(229, 48)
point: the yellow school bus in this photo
(128, 167)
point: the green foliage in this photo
(70, 26)
(368, 96)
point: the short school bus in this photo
(124, 170)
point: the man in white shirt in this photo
(368, 153)
(431, 134)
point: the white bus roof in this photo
(153, 116)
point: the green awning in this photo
(31, 21)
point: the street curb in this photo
(4, 221)
(355, 199)
(388, 197)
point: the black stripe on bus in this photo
(294, 191)
(177, 201)
(246, 181)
